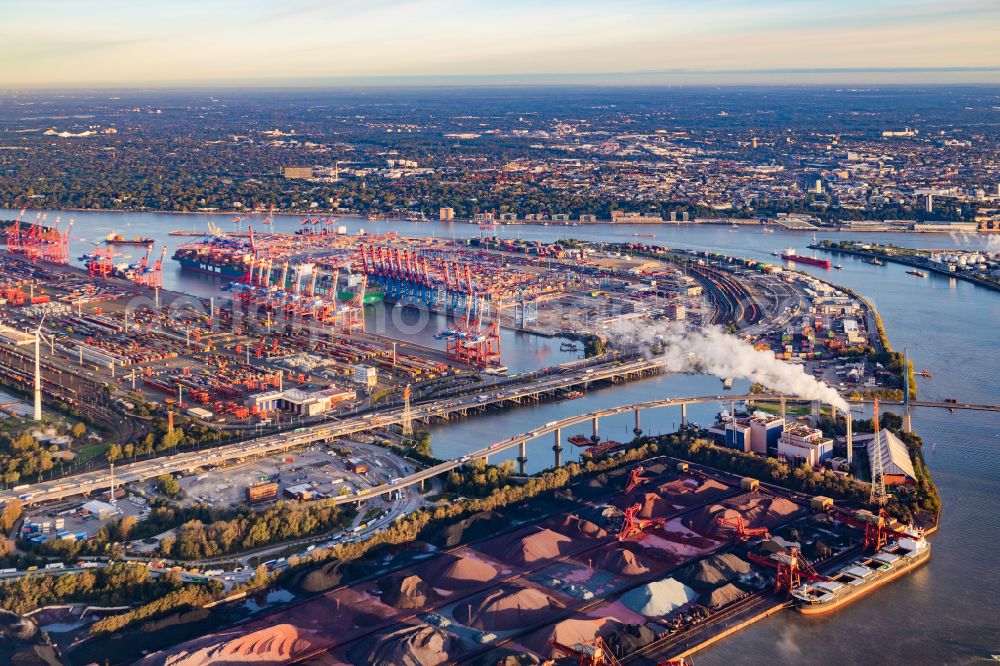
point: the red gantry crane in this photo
(744, 533)
(14, 235)
(635, 478)
(632, 525)
(791, 568)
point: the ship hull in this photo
(370, 297)
(812, 261)
(196, 266)
(863, 590)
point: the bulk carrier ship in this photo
(857, 579)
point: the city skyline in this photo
(55, 43)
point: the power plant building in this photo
(800, 442)
(758, 433)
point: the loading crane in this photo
(743, 533)
(591, 653)
(632, 525)
(635, 478)
(791, 569)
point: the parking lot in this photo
(313, 473)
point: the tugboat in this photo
(920, 274)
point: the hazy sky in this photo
(81, 42)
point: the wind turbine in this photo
(38, 370)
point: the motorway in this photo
(89, 482)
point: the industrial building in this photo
(897, 467)
(758, 433)
(357, 465)
(292, 172)
(365, 376)
(800, 442)
(99, 510)
(301, 492)
(299, 401)
(262, 492)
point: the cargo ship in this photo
(118, 239)
(222, 256)
(788, 254)
(857, 579)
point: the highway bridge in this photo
(969, 406)
(187, 462)
(443, 409)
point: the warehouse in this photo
(301, 402)
(897, 467)
(98, 509)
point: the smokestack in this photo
(850, 437)
(782, 408)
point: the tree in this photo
(11, 512)
(125, 526)
(79, 430)
(114, 452)
(6, 546)
(168, 485)
(422, 443)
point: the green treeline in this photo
(116, 585)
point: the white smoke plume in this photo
(982, 242)
(712, 351)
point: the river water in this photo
(948, 612)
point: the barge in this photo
(857, 579)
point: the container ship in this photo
(788, 254)
(118, 239)
(222, 256)
(857, 579)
